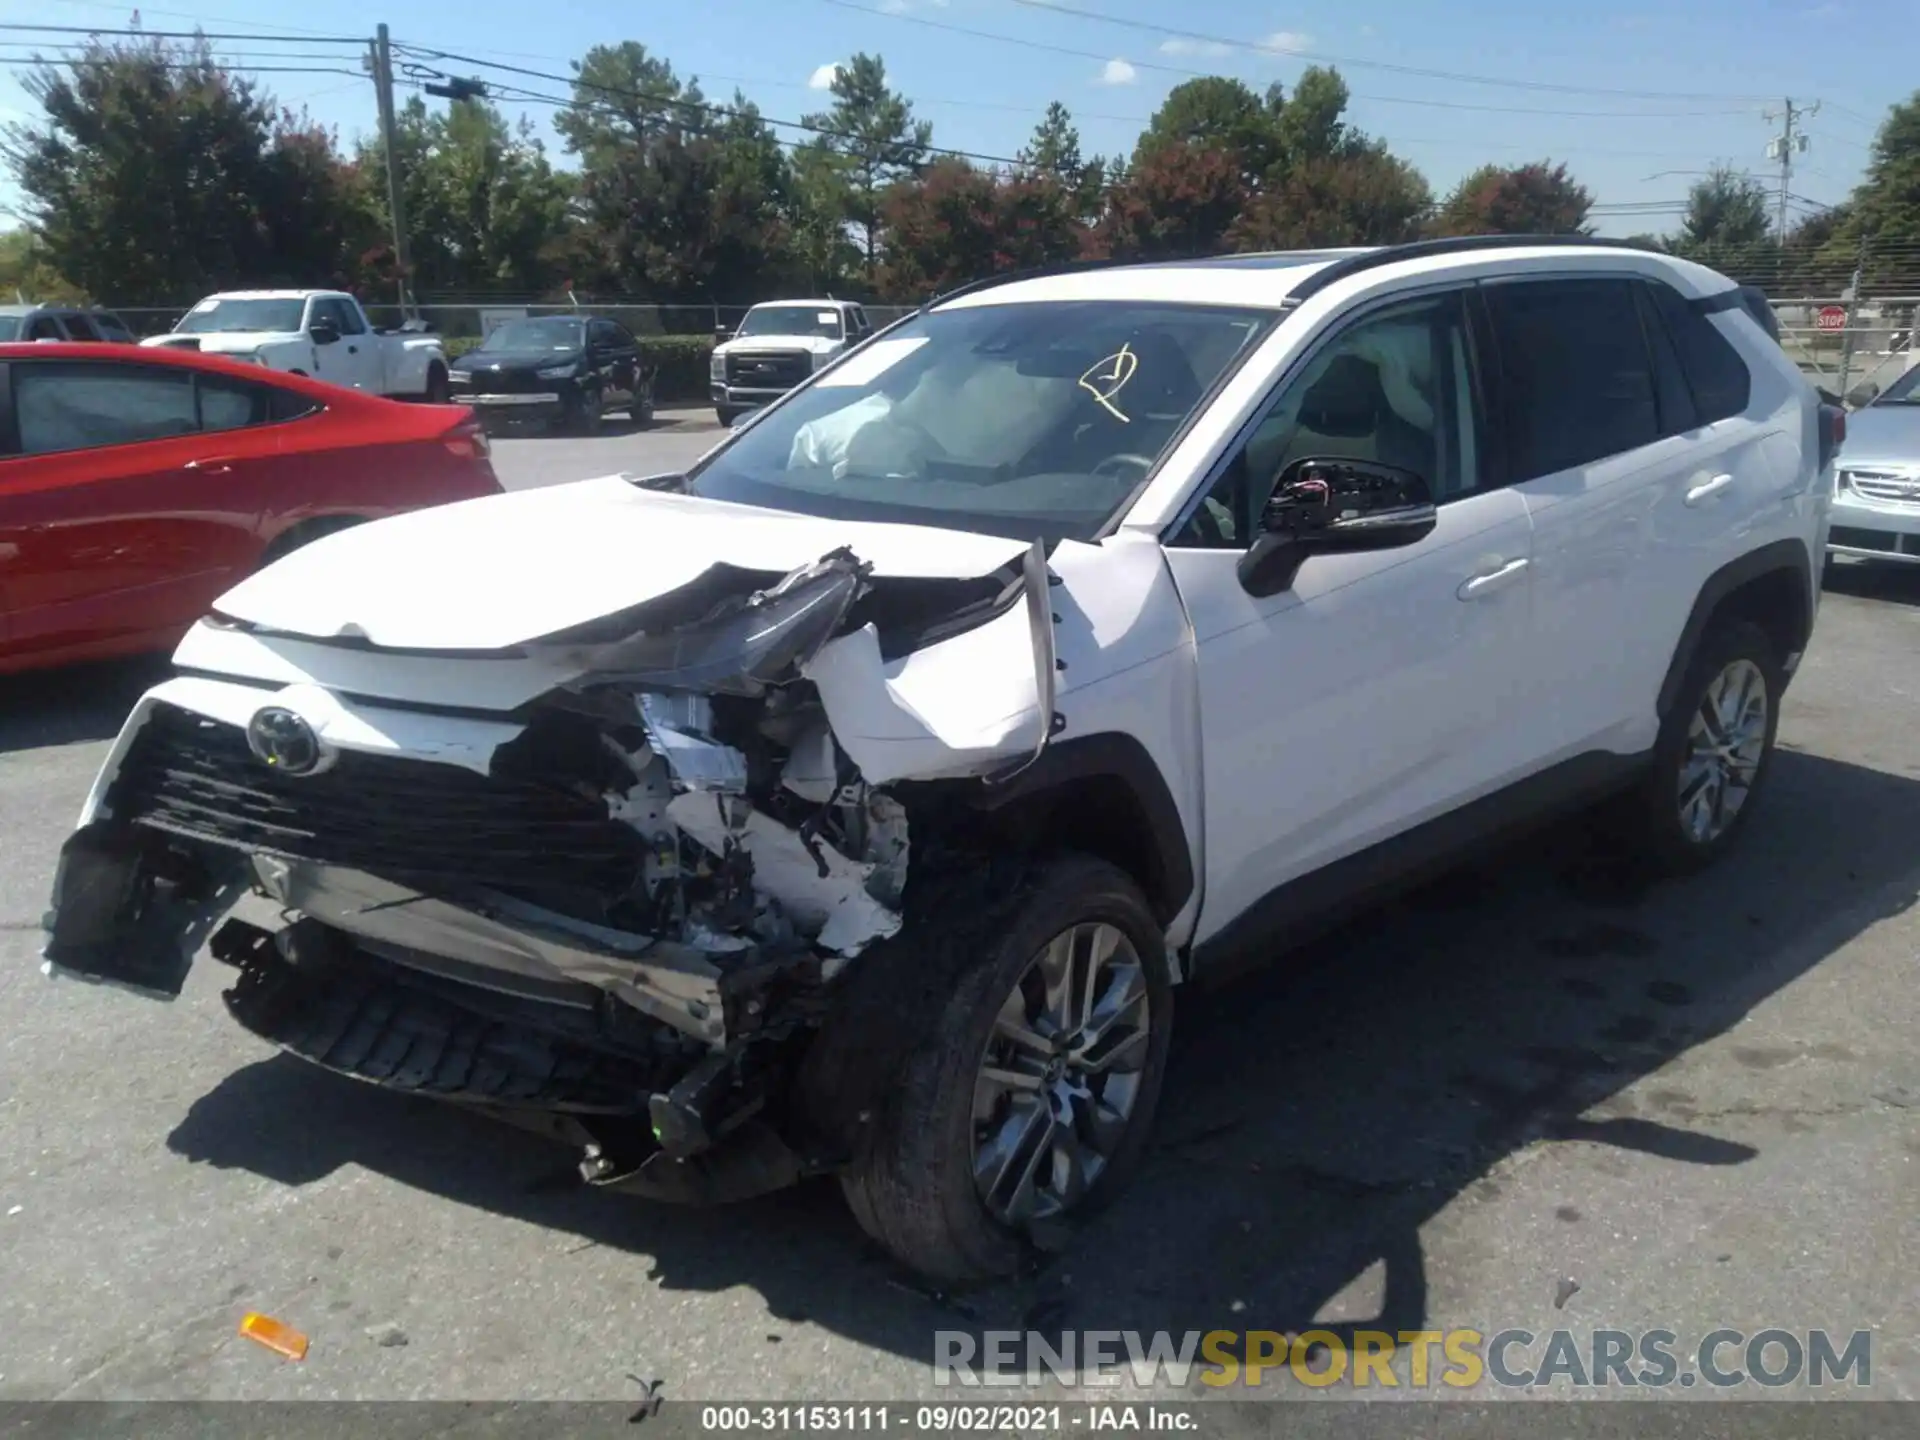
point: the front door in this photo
(1375, 693)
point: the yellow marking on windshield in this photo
(1108, 377)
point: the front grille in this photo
(509, 382)
(1887, 486)
(439, 828)
(768, 369)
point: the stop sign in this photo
(1831, 317)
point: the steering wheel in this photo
(1112, 463)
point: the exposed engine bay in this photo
(622, 902)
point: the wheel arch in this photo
(1103, 795)
(303, 532)
(1772, 586)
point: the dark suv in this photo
(56, 322)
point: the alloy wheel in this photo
(1726, 741)
(1057, 1084)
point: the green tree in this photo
(1217, 114)
(1364, 197)
(872, 131)
(156, 175)
(625, 96)
(1537, 199)
(1054, 151)
(484, 206)
(1727, 209)
(1309, 125)
(26, 272)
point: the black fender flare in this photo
(1120, 758)
(1788, 556)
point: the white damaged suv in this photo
(857, 801)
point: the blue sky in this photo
(1597, 86)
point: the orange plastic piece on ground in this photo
(278, 1337)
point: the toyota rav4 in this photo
(857, 801)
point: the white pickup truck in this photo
(322, 333)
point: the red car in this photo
(137, 485)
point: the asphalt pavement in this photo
(1538, 1094)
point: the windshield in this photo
(1901, 391)
(216, 316)
(9, 327)
(1028, 420)
(554, 333)
(791, 320)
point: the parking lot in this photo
(1536, 1094)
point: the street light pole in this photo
(383, 88)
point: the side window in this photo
(1672, 398)
(347, 317)
(44, 327)
(1395, 386)
(609, 336)
(60, 406)
(232, 405)
(1714, 371)
(80, 328)
(1578, 378)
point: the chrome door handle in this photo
(1704, 492)
(1490, 581)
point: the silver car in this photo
(1876, 503)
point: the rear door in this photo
(1602, 441)
(129, 499)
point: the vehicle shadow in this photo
(1317, 1114)
(1874, 580)
(74, 704)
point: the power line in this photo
(1458, 77)
(130, 34)
(24, 65)
(1786, 145)
(1099, 56)
(674, 102)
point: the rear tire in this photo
(726, 415)
(1713, 754)
(438, 391)
(996, 1121)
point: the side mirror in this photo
(721, 334)
(1863, 395)
(324, 332)
(1334, 507)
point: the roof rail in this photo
(1009, 277)
(1339, 270)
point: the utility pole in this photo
(382, 58)
(1789, 142)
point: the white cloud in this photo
(1182, 46)
(1367, 32)
(822, 78)
(1118, 72)
(1291, 41)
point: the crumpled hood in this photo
(498, 572)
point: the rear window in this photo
(1714, 370)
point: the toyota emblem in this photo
(283, 741)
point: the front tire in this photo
(585, 413)
(1713, 754)
(438, 390)
(1038, 1042)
